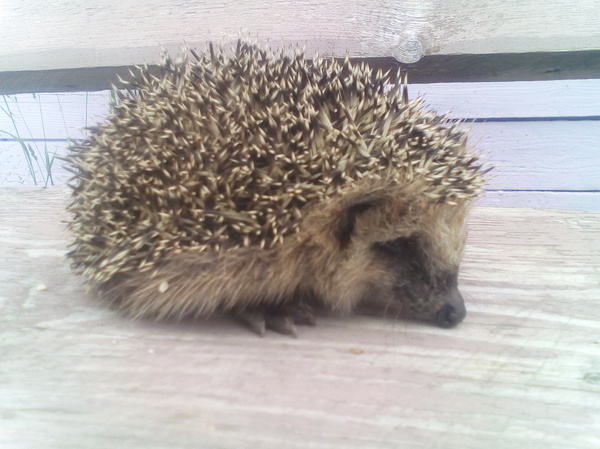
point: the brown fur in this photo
(314, 263)
(249, 181)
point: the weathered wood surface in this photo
(538, 66)
(523, 371)
(583, 201)
(61, 34)
(55, 38)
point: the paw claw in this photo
(303, 314)
(284, 324)
(280, 319)
(254, 320)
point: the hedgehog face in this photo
(394, 265)
(412, 285)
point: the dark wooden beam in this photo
(430, 69)
(540, 66)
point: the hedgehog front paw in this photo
(282, 319)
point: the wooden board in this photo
(543, 156)
(530, 66)
(581, 201)
(516, 67)
(574, 99)
(58, 34)
(52, 115)
(18, 170)
(523, 370)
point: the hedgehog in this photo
(256, 182)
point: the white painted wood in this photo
(581, 201)
(62, 34)
(554, 155)
(523, 370)
(514, 99)
(52, 115)
(16, 171)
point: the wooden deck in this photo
(523, 370)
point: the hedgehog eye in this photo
(410, 246)
(408, 255)
(345, 226)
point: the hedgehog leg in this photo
(282, 319)
(302, 313)
(255, 320)
(281, 322)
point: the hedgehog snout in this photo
(452, 312)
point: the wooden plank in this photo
(15, 168)
(541, 155)
(514, 100)
(533, 66)
(63, 80)
(522, 371)
(582, 201)
(52, 115)
(430, 69)
(115, 33)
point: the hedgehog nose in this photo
(451, 313)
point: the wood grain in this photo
(514, 100)
(522, 371)
(52, 115)
(59, 34)
(573, 201)
(543, 156)
(16, 171)
(504, 67)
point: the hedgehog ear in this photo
(345, 226)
